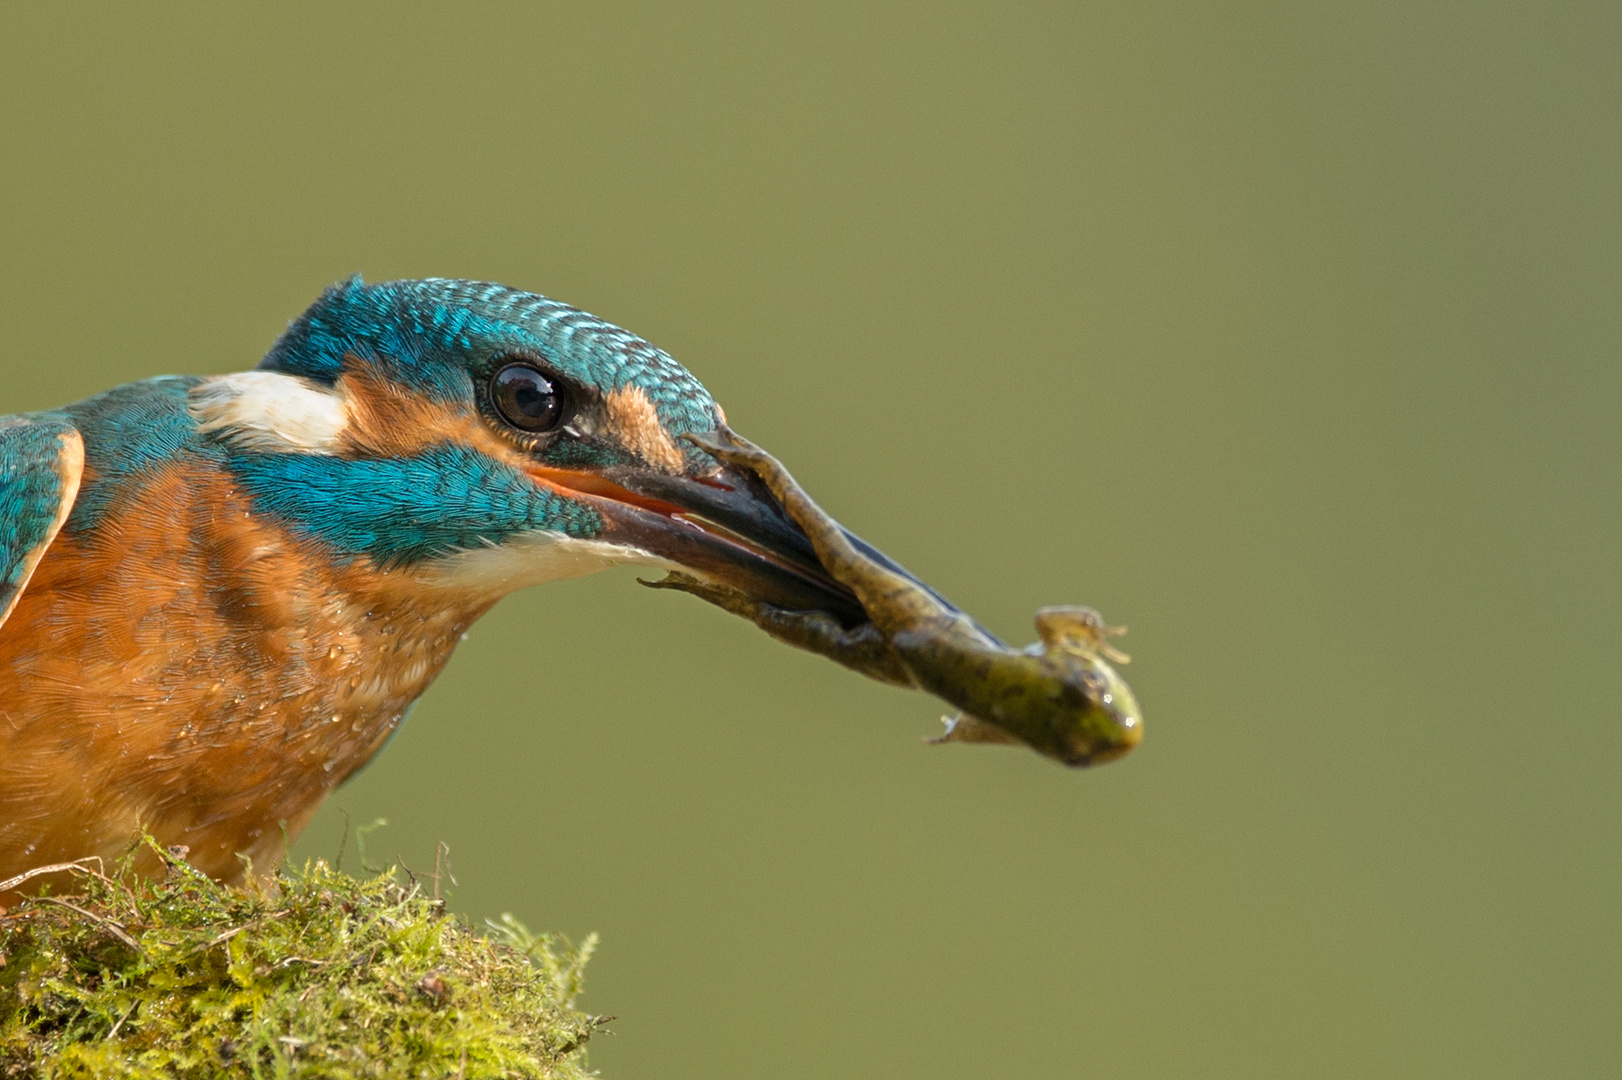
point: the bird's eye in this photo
(526, 399)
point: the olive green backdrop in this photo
(1287, 334)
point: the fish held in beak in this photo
(828, 591)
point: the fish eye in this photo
(526, 399)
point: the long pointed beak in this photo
(724, 526)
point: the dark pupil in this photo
(525, 398)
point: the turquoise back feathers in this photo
(41, 460)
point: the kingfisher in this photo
(221, 595)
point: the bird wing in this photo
(41, 462)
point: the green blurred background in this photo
(1286, 334)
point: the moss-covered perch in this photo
(323, 976)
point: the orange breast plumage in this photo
(190, 668)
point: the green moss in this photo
(323, 976)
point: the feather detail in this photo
(269, 412)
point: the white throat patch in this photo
(530, 559)
(271, 412)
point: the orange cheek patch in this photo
(634, 420)
(386, 420)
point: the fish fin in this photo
(969, 729)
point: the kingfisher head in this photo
(489, 438)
